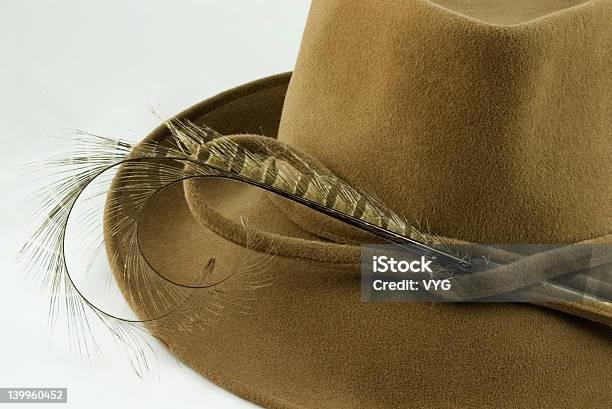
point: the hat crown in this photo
(492, 131)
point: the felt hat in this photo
(490, 121)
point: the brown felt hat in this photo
(489, 120)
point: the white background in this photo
(100, 66)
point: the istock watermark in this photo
(384, 264)
(497, 273)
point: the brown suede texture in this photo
(483, 132)
(487, 132)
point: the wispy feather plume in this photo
(190, 151)
(147, 169)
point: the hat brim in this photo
(310, 341)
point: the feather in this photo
(191, 151)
